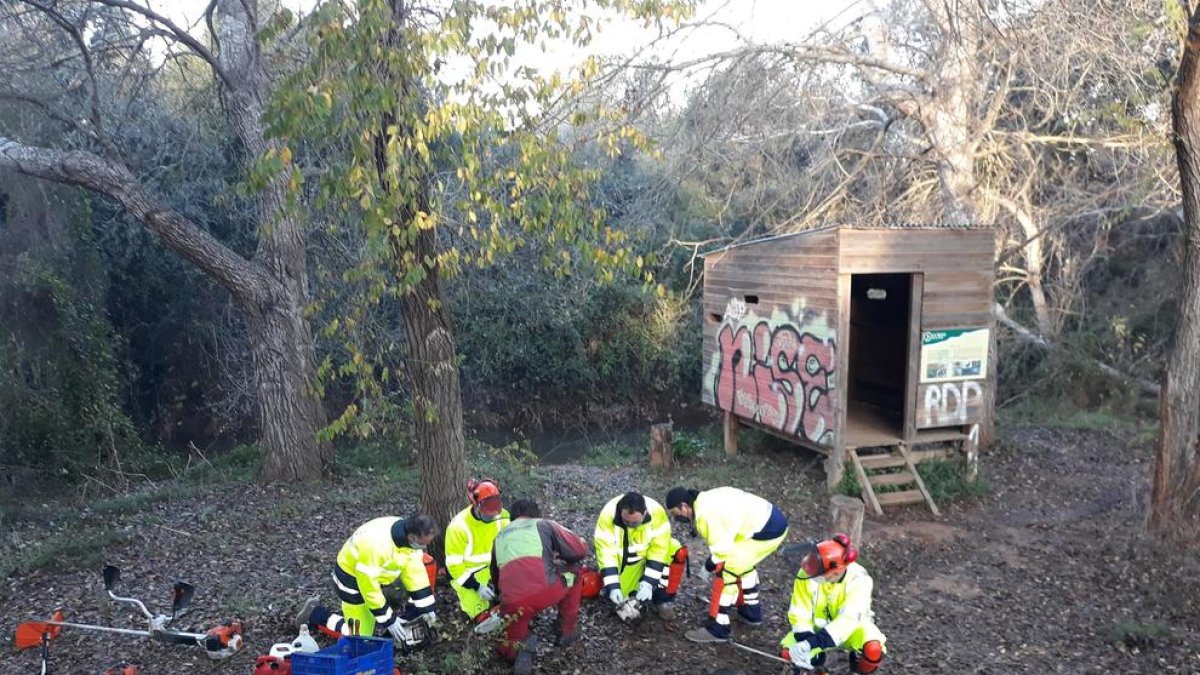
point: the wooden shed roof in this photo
(827, 228)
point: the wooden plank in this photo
(836, 463)
(827, 261)
(900, 497)
(864, 484)
(783, 277)
(731, 434)
(774, 251)
(926, 436)
(897, 478)
(886, 263)
(964, 320)
(913, 368)
(881, 461)
(923, 245)
(918, 239)
(917, 479)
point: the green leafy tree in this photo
(447, 152)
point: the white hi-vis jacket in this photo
(619, 548)
(839, 608)
(469, 548)
(726, 516)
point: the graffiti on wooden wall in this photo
(778, 371)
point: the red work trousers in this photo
(520, 612)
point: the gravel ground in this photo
(1039, 575)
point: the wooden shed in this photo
(868, 344)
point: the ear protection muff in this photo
(851, 552)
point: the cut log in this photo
(731, 434)
(661, 444)
(846, 515)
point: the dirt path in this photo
(1035, 577)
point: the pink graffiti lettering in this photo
(778, 377)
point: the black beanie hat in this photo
(680, 495)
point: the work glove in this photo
(430, 618)
(616, 596)
(644, 591)
(486, 592)
(399, 632)
(801, 655)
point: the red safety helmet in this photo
(590, 582)
(828, 557)
(485, 497)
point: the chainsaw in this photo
(219, 643)
(629, 609)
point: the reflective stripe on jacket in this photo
(726, 515)
(469, 546)
(376, 555)
(618, 546)
(838, 607)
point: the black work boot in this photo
(524, 663)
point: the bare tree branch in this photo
(241, 277)
(94, 89)
(1033, 338)
(179, 34)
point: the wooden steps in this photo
(874, 472)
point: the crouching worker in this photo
(831, 608)
(528, 560)
(379, 553)
(741, 530)
(469, 539)
(637, 556)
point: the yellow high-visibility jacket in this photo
(619, 547)
(725, 516)
(376, 555)
(840, 608)
(469, 548)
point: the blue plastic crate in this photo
(350, 656)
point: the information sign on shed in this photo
(954, 354)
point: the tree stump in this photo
(661, 445)
(846, 515)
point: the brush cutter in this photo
(219, 642)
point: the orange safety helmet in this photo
(590, 582)
(828, 557)
(485, 497)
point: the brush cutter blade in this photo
(181, 595)
(29, 634)
(112, 575)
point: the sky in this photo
(755, 20)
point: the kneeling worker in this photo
(469, 538)
(635, 550)
(378, 553)
(831, 609)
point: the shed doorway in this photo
(882, 314)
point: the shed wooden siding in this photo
(958, 275)
(775, 361)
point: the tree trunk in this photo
(288, 411)
(271, 289)
(430, 355)
(1175, 502)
